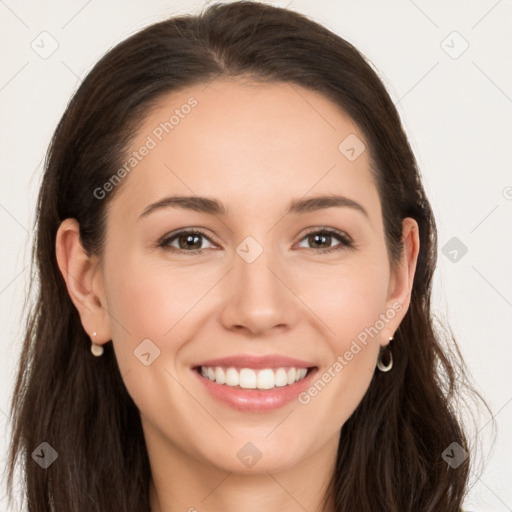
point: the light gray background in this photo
(456, 111)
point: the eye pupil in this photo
(189, 238)
(317, 236)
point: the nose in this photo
(258, 296)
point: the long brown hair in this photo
(390, 450)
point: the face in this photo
(255, 284)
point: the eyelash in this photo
(345, 240)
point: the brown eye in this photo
(187, 241)
(322, 239)
(192, 241)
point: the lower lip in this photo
(256, 400)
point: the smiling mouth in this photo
(249, 378)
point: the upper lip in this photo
(248, 361)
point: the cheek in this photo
(349, 299)
(151, 307)
(149, 300)
(351, 306)
(353, 316)
(154, 302)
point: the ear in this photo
(83, 277)
(401, 279)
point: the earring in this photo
(380, 365)
(97, 350)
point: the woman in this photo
(232, 221)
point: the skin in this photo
(255, 147)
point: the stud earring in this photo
(380, 365)
(97, 350)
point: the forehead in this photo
(246, 143)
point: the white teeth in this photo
(232, 377)
(247, 378)
(266, 379)
(281, 377)
(219, 376)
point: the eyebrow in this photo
(215, 207)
